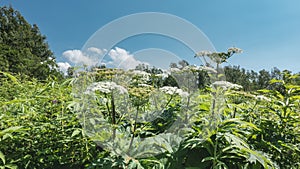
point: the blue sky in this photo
(268, 31)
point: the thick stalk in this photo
(113, 115)
(134, 128)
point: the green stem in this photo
(215, 160)
(113, 115)
(168, 101)
(134, 128)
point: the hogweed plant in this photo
(228, 136)
(122, 118)
(133, 115)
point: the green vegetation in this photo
(23, 48)
(253, 122)
(40, 129)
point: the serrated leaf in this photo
(232, 139)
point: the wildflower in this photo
(234, 50)
(163, 75)
(203, 53)
(208, 69)
(142, 92)
(190, 68)
(143, 85)
(106, 87)
(142, 74)
(182, 93)
(174, 91)
(262, 98)
(174, 69)
(226, 85)
(218, 57)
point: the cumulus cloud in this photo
(79, 58)
(94, 50)
(123, 59)
(118, 57)
(63, 67)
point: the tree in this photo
(239, 76)
(23, 49)
(263, 79)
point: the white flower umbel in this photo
(163, 75)
(174, 69)
(262, 98)
(227, 85)
(174, 91)
(143, 85)
(105, 87)
(208, 69)
(192, 68)
(234, 50)
(144, 75)
(204, 53)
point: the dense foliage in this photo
(23, 48)
(39, 129)
(252, 122)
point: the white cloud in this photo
(92, 56)
(97, 51)
(123, 59)
(63, 67)
(78, 57)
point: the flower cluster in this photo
(219, 57)
(174, 91)
(142, 91)
(195, 68)
(208, 69)
(203, 53)
(234, 50)
(174, 69)
(226, 85)
(141, 75)
(262, 98)
(163, 75)
(105, 87)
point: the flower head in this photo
(105, 87)
(208, 69)
(174, 69)
(234, 50)
(144, 76)
(163, 75)
(203, 53)
(226, 85)
(262, 98)
(174, 91)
